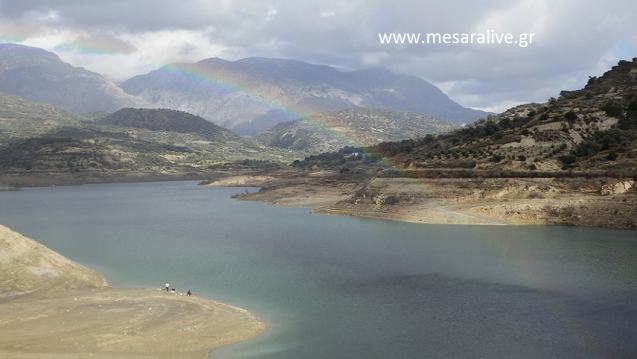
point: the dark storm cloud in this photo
(574, 38)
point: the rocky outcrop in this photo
(616, 187)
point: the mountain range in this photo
(252, 94)
(247, 96)
(42, 77)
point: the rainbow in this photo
(223, 79)
(227, 80)
(230, 81)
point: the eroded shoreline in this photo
(591, 202)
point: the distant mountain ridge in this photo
(323, 132)
(248, 95)
(253, 94)
(41, 76)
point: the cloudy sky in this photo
(121, 38)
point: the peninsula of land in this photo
(52, 307)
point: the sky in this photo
(573, 39)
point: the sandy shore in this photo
(51, 307)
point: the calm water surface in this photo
(340, 287)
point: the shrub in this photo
(630, 122)
(505, 123)
(490, 128)
(587, 148)
(570, 116)
(613, 109)
(567, 159)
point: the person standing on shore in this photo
(167, 287)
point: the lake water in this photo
(341, 287)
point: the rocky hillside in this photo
(164, 120)
(331, 131)
(74, 150)
(41, 76)
(591, 130)
(45, 141)
(21, 118)
(253, 94)
(97, 151)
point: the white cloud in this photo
(574, 38)
(147, 51)
(52, 15)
